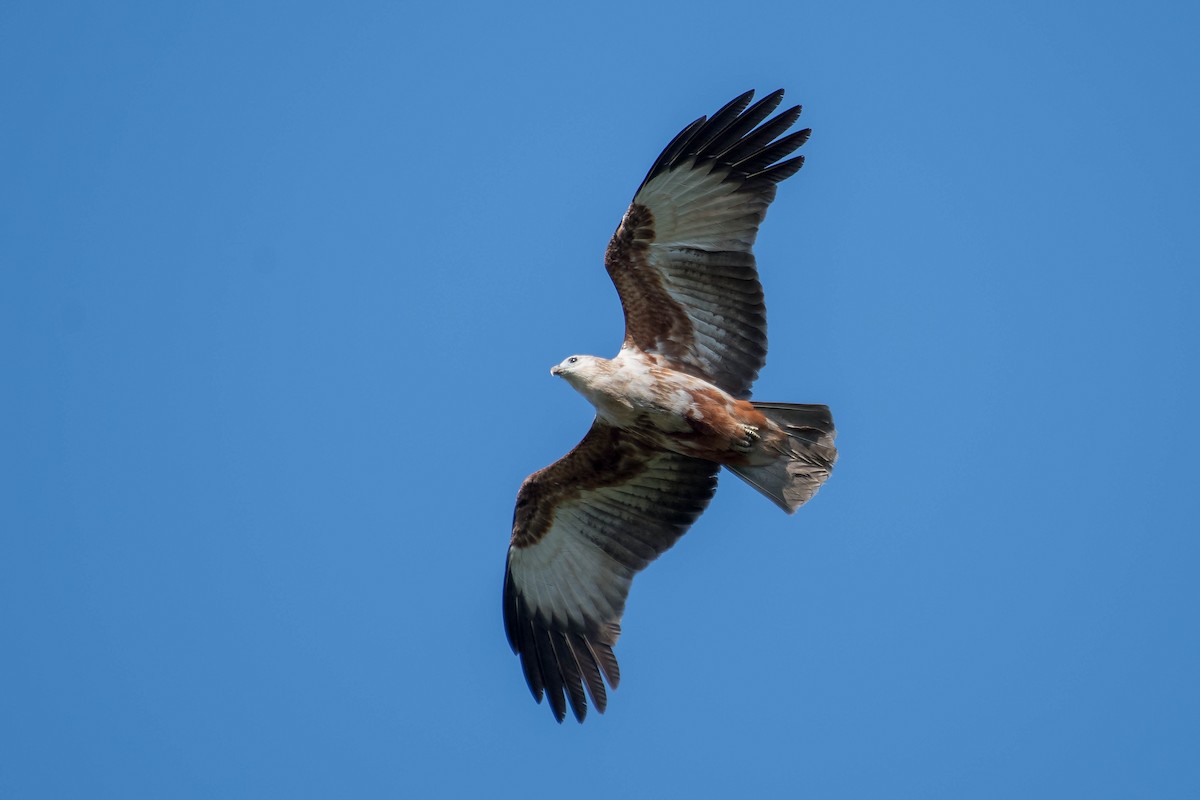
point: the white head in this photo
(577, 369)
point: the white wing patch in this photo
(566, 578)
(696, 208)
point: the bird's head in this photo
(575, 369)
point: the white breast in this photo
(635, 391)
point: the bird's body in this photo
(672, 410)
(672, 407)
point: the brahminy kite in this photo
(672, 406)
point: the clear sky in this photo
(280, 286)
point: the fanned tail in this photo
(806, 454)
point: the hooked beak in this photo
(556, 370)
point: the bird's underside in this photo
(667, 409)
(671, 408)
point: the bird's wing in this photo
(583, 527)
(681, 258)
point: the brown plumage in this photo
(671, 408)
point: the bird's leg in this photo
(750, 435)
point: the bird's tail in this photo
(806, 454)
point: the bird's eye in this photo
(572, 360)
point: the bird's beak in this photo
(556, 370)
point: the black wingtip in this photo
(672, 150)
(734, 138)
(561, 667)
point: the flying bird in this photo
(672, 407)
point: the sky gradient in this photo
(280, 287)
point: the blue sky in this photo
(280, 285)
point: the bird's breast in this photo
(676, 411)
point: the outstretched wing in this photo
(583, 527)
(681, 258)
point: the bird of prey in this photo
(672, 407)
